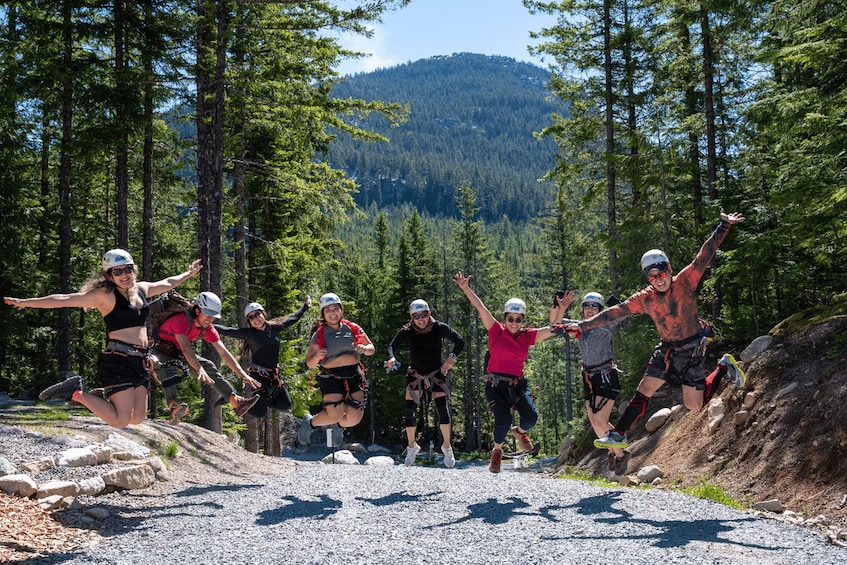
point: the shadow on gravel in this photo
(398, 498)
(663, 533)
(496, 512)
(319, 509)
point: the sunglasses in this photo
(420, 315)
(254, 315)
(514, 319)
(118, 271)
(593, 305)
(657, 276)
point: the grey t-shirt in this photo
(338, 342)
(595, 345)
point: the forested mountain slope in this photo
(472, 120)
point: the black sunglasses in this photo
(420, 315)
(591, 305)
(118, 271)
(514, 319)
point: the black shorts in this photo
(603, 382)
(272, 395)
(121, 372)
(342, 380)
(678, 366)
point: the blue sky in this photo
(442, 27)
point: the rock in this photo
(92, 486)
(62, 439)
(376, 448)
(750, 400)
(380, 461)
(784, 390)
(741, 417)
(342, 457)
(649, 473)
(355, 447)
(97, 512)
(716, 407)
(103, 453)
(18, 485)
(159, 469)
(715, 423)
(773, 505)
(6, 467)
(61, 488)
(138, 476)
(757, 346)
(628, 481)
(120, 443)
(35, 467)
(51, 502)
(77, 457)
(657, 420)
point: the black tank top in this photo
(125, 315)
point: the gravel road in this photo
(326, 514)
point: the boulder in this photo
(341, 457)
(18, 485)
(120, 443)
(380, 461)
(135, 477)
(758, 345)
(61, 488)
(77, 457)
(657, 420)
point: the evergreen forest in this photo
(219, 130)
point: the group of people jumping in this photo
(130, 361)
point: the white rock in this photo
(342, 457)
(649, 473)
(7, 467)
(136, 477)
(741, 417)
(750, 400)
(757, 346)
(120, 443)
(35, 467)
(657, 420)
(77, 457)
(18, 485)
(51, 502)
(92, 486)
(158, 466)
(715, 423)
(716, 407)
(103, 453)
(785, 390)
(773, 505)
(380, 461)
(61, 488)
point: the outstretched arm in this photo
(164, 285)
(463, 282)
(95, 298)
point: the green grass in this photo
(711, 492)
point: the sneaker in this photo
(449, 458)
(243, 405)
(734, 372)
(496, 459)
(305, 431)
(612, 439)
(411, 454)
(178, 412)
(63, 390)
(522, 440)
(621, 463)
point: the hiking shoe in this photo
(733, 370)
(522, 440)
(496, 459)
(411, 454)
(243, 405)
(612, 439)
(65, 389)
(305, 431)
(178, 412)
(621, 463)
(449, 458)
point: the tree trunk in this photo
(63, 340)
(610, 141)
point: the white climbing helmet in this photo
(116, 258)
(418, 306)
(515, 306)
(329, 298)
(252, 307)
(594, 298)
(209, 304)
(654, 259)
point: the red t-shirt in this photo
(508, 352)
(178, 324)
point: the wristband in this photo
(453, 356)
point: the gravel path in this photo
(327, 514)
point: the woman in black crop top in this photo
(124, 364)
(260, 344)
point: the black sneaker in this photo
(63, 390)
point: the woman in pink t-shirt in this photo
(505, 386)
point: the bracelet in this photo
(453, 356)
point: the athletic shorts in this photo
(603, 382)
(121, 372)
(342, 380)
(678, 366)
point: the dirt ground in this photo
(792, 448)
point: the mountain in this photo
(473, 119)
